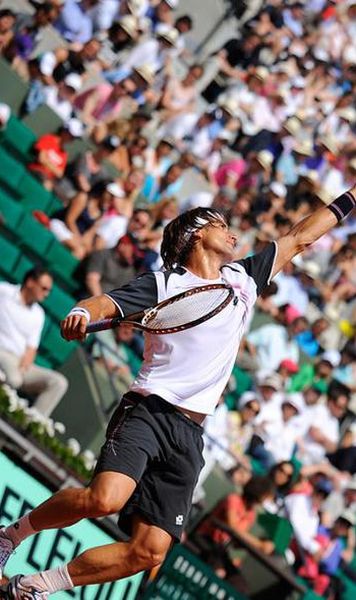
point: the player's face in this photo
(216, 237)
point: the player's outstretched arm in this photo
(74, 326)
(313, 227)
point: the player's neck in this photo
(204, 265)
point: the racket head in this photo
(185, 310)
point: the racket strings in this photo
(186, 309)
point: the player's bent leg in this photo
(107, 494)
(146, 549)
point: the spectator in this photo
(51, 156)
(109, 267)
(61, 98)
(323, 434)
(74, 22)
(21, 324)
(7, 22)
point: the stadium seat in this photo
(62, 263)
(35, 237)
(33, 195)
(11, 171)
(23, 266)
(9, 256)
(12, 213)
(53, 347)
(18, 139)
(13, 89)
(43, 120)
(58, 303)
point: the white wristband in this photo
(79, 310)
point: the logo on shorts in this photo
(179, 519)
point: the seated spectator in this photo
(345, 371)
(36, 95)
(113, 267)
(180, 95)
(61, 98)
(76, 225)
(302, 506)
(51, 156)
(323, 432)
(74, 22)
(281, 438)
(309, 340)
(274, 342)
(169, 185)
(21, 324)
(56, 65)
(239, 513)
(7, 21)
(86, 171)
(28, 33)
(120, 39)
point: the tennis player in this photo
(150, 462)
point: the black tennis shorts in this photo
(155, 444)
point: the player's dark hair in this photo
(178, 236)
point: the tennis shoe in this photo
(6, 549)
(15, 590)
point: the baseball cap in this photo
(172, 3)
(348, 515)
(332, 357)
(324, 485)
(115, 190)
(290, 365)
(247, 397)
(74, 81)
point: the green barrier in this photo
(184, 577)
(278, 529)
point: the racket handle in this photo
(101, 325)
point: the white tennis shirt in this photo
(20, 325)
(191, 368)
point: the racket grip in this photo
(100, 325)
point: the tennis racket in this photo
(177, 313)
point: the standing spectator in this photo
(21, 324)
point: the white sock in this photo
(19, 530)
(50, 581)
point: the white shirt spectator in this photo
(313, 452)
(20, 325)
(290, 291)
(273, 344)
(59, 105)
(304, 520)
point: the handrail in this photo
(262, 558)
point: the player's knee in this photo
(100, 505)
(148, 554)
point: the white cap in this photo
(298, 82)
(115, 190)
(169, 34)
(146, 72)
(74, 81)
(172, 3)
(310, 268)
(247, 397)
(292, 125)
(348, 515)
(296, 400)
(230, 105)
(5, 113)
(348, 113)
(332, 356)
(265, 158)
(75, 127)
(304, 147)
(129, 24)
(278, 189)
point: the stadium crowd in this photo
(263, 129)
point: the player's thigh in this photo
(148, 541)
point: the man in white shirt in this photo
(21, 324)
(152, 457)
(323, 434)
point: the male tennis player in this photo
(152, 456)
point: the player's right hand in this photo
(74, 327)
